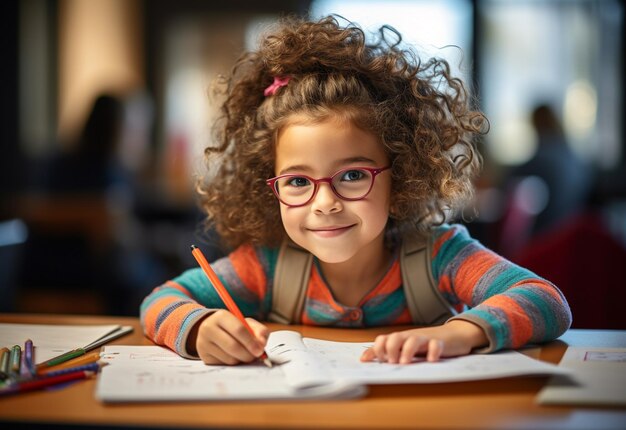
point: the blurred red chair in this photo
(589, 267)
(527, 197)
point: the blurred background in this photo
(105, 112)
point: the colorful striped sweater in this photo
(514, 306)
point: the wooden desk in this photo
(503, 403)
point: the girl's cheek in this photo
(290, 220)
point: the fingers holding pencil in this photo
(223, 339)
(232, 344)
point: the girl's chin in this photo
(331, 260)
(330, 255)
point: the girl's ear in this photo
(393, 209)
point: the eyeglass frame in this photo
(374, 171)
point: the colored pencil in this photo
(93, 367)
(39, 383)
(15, 361)
(118, 332)
(91, 357)
(29, 357)
(61, 358)
(5, 355)
(223, 293)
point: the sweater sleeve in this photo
(171, 310)
(511, 304)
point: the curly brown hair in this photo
(419, 112)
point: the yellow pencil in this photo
(88, 358)
(5, 355)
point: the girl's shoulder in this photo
(448, 240)
(449, 231)
(435, 235)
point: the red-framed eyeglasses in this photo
(351, 183)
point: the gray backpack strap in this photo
(293, 270)
(426, 304)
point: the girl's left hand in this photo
(457, 337)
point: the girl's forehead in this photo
(326, 144)
(330, 125)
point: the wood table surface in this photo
(490, 404)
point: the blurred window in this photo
(436, 28)
(563, 53)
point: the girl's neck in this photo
(351, 280)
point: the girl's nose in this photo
(325, 200)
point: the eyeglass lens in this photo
(347, 184)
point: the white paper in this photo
(309, 368)
(341, 360)
(154, 373)
(51, 340)
(598, 377)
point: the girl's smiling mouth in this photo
(330, 231)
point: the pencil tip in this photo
(268, 362)
(193, 247)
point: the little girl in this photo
(346, 148)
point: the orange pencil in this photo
(89, 358)
(223, 293)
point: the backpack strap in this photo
(426, 304)
(293, 270)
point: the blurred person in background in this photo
(550, 188)
(92, 165)
(573, 240)
(567, 177)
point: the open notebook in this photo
(309, 368)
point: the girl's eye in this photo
(298, 181)
(352, 175)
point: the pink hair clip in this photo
(278, 82)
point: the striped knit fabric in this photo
(513, 305)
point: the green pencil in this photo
(15, 360)
(62, 358)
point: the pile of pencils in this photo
(19, 373)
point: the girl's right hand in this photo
(223, 339)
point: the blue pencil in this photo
(94, 367)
